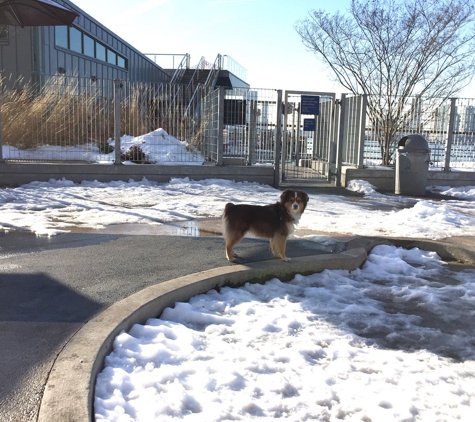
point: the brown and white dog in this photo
(274, 222)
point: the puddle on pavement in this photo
(196, 228)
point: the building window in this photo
(61, 37)
(4, 34)
(100, 52)
(111, 57)
(75, 40)
(88, 45)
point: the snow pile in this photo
(162, 148)
(158, 146)
(383, 343)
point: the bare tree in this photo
(395, 51)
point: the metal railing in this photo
(76, 119)
(448, 126)
(181, 69)
(214, 71)
(234, 67)
(168, 61)
(250, 120)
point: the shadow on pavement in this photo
(38, 315)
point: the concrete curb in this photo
(446, 250)
(69, 391)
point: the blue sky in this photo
(258, 34)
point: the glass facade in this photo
(75, 40)
(61, 36)
(100, 52)
(88, 44)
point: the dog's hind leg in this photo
(231, 241)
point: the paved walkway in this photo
(51, 287)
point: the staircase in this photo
(193, 77)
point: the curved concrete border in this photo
(69, 391)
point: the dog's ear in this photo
(283, 196)
(305, 196)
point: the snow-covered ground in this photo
(382, 343)
(389, 342)
(54, 207)
(158, 146)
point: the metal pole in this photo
(284, 138)
(362, 123)
(341, 134)
(450, 135)
(252, 131)
(298, 139)
(220, 151)
(2, 160)
(278, 139)
(331, 133)
(117, 86)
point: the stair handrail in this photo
(190, 105)
(196, 72)
(214, 71)
(180, 70)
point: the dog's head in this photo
(295, 201)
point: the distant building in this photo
(464, 118)
(467, 119)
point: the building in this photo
(86, 49)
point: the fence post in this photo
(2, 160)
(117, 86)
(220, 140)
(278, 139)
(450, 134)
(252, 131)
(362, 135)
(340, 139)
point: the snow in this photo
(388, 342)
(54, 207)
(336, 345)
(158, 146)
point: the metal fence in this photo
(104, 121)
(448, 126)
(241, 126)
(80, 119)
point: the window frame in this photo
(98, 47)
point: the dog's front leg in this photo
(278, 243)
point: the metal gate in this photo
(308, 137)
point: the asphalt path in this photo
(50, 287)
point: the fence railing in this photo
(448, 126)
(80, 119)
(243, 125)
(234, 67)
(76, 119)
(168, 61)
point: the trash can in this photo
(412, 166)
